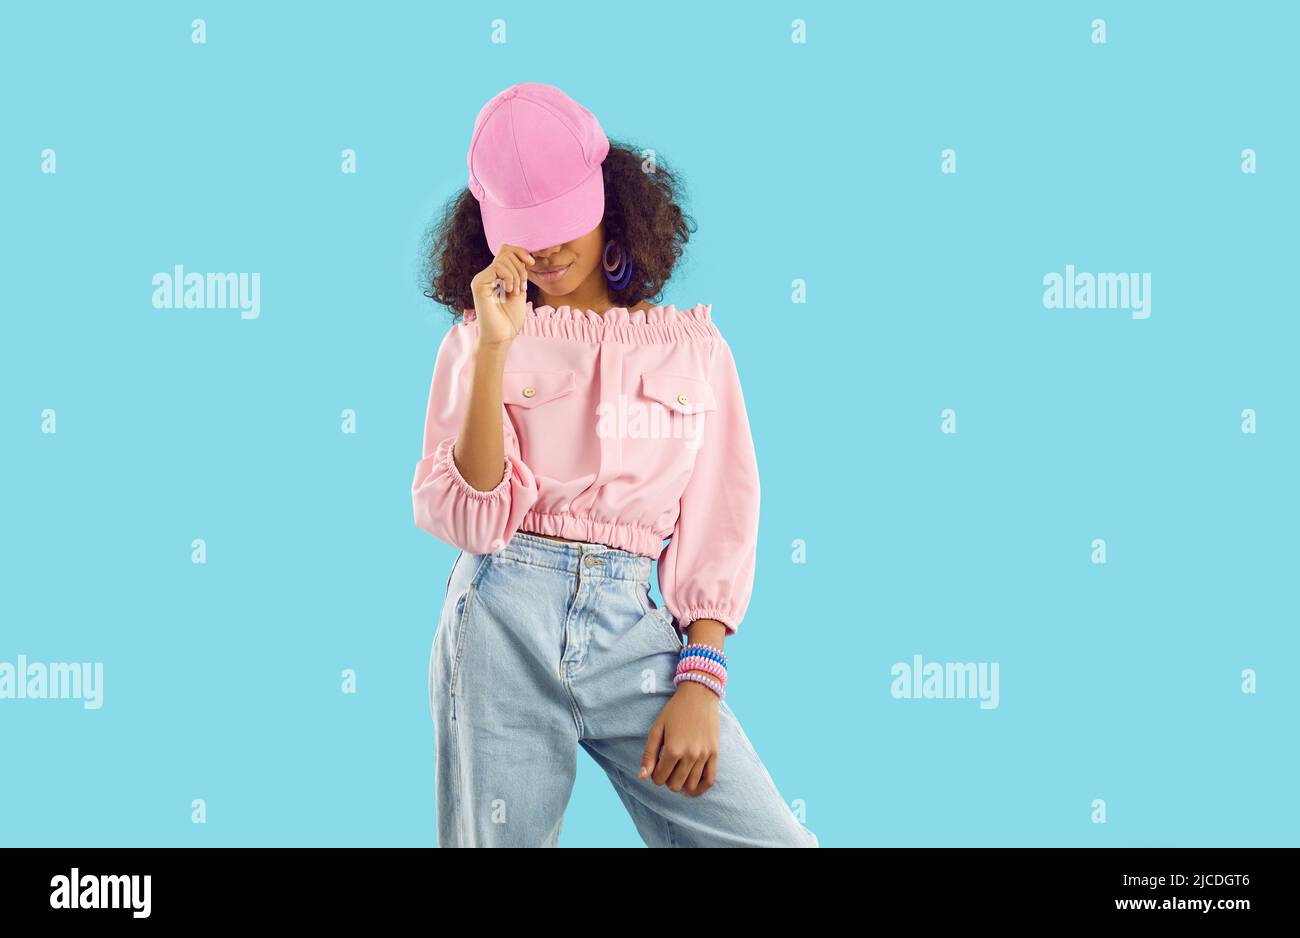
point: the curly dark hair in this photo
(641, 213)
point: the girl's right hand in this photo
(500, 320)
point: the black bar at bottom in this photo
(335, 886)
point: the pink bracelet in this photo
(708, 682)
(703, 664)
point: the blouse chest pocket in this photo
(676, 414)
(679, 393)
(533, 388)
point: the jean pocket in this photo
(663, 620)
(459, 634)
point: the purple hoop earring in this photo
(618, 270)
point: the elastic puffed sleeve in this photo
(707, 569)
(445, 504)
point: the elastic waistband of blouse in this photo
(576, 559)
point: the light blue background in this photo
(819, 162)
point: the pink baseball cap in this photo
(534, 166)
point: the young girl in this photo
(571, 429)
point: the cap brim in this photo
(562, 219)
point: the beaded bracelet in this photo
(703, 664)
(703, 651)
(696, 658)
(699, 678)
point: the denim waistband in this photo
(588, 560)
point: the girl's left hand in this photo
(681, 750)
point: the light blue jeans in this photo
(545, 646)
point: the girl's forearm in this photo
(480, 446)
(706, 632)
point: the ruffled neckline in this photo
(656, 325)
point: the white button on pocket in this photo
(530, 392)
(683, 399)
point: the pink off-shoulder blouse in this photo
(621, 428)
